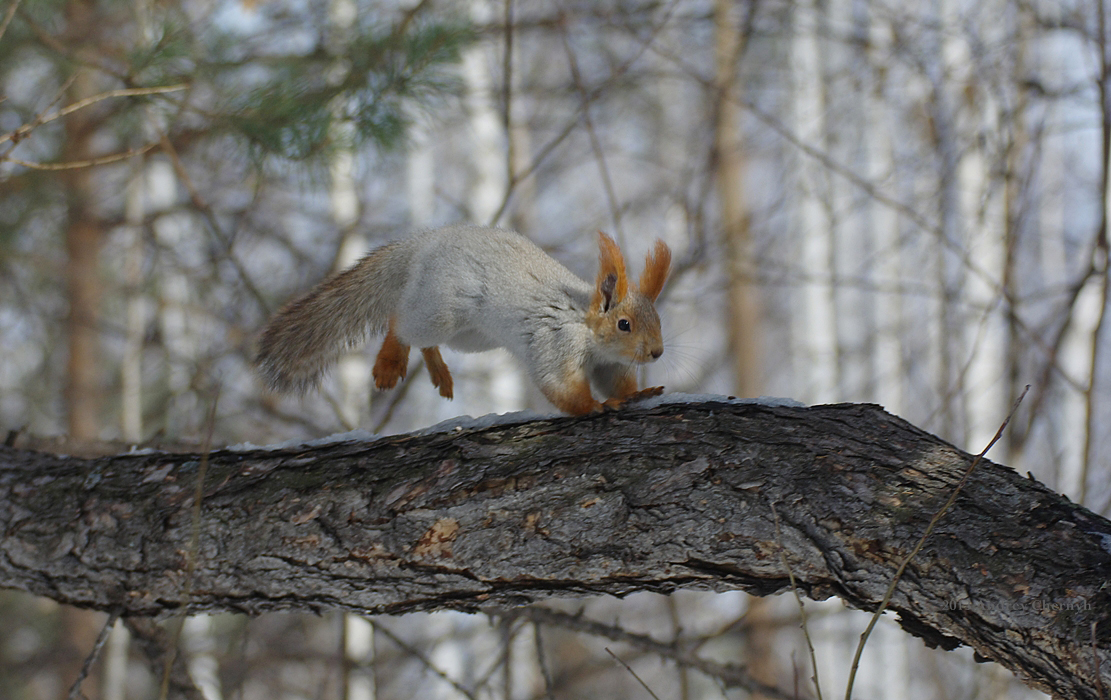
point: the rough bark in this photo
(679, 495)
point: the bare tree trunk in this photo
(815, 329)
(1018, 204)
(131, 363)
(984, 388)
(353, 369)
(359, 652)
(84, 240)
(1052, 264)
(889, 370)
(522, 211)
(1099, 262)
(179, 323)
(503, 379)
(849, 79)
(1077, 358)
(199, 646)
(743, 320)
(946, 326)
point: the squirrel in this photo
(475, 288)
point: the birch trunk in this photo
(889, 276)
(947, 329)
(179, 326)
(353, 369)
(502, 378)
(815, 329)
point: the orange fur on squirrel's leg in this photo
(438, 371)
(574, 397)
(392, 361)
(625, 386)
(626, 392)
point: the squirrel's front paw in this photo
(614, 404)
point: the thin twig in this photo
(87, 163)
(341, 415)
(416, 654)
(501, 661)
(398, 394)
(798, 599)
(210, 218)
(1053, 349)
(592, 133)
(682, 675)
(632, 673)
(549, 686)
(921, 222)
(546, 150)
(59, 95)
(75, 689)
(728, 674)
(57, 45)
(844, 171)
(26, 129)
(8, 17)
(922, 542)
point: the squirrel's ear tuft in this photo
(656, 267)
(610, 292)
(606, 289)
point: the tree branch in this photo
(675, 496)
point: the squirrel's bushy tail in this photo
(310, 333)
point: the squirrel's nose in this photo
(656, 354)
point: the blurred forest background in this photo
(869, 200)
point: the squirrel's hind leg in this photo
(438, 371)
(392, 361)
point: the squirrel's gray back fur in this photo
(468, 287)
(474, 288)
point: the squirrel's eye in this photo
(623, 325)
